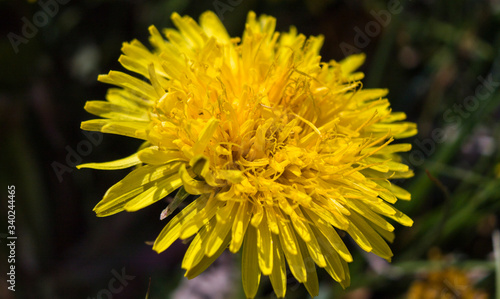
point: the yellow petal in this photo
(389, 236)
(250, 274)
(127, 162)
(189, 29)
(264, 246)
(313, 246)
(232, 176)
(369, 94)
(366, 211)
(338, 221)
(258, 214)
(311, 284)
(205, 136)
(390, 165)
(334, 264)
(191, 185)
(352, 63)
(131, 83)
(116, 112)
(152, 155)
(389, 149)
(331, 236)
(221, 230)
(135, 183)
(226, 195)
(367, 237)
(193, 225)
(195, 251)
(300, 227)
(292, 252)
(201, 166)
(133, 129)
(271, 221)
(396, 190)
(153, 78)
(212, 25)
(136, 58)
(122, 97)
(155, 38)
(240, 225)
(401, 218)
(207, 261)
(278, 275)
(287, 236)
(159, 190)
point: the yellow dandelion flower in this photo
(280, 150)
(447, 283)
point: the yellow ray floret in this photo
(274, 151)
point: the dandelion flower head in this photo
(277, 151)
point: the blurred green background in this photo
(439, 59)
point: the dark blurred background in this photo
(439, 59)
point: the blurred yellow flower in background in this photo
(278, 149)
(448, 283)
